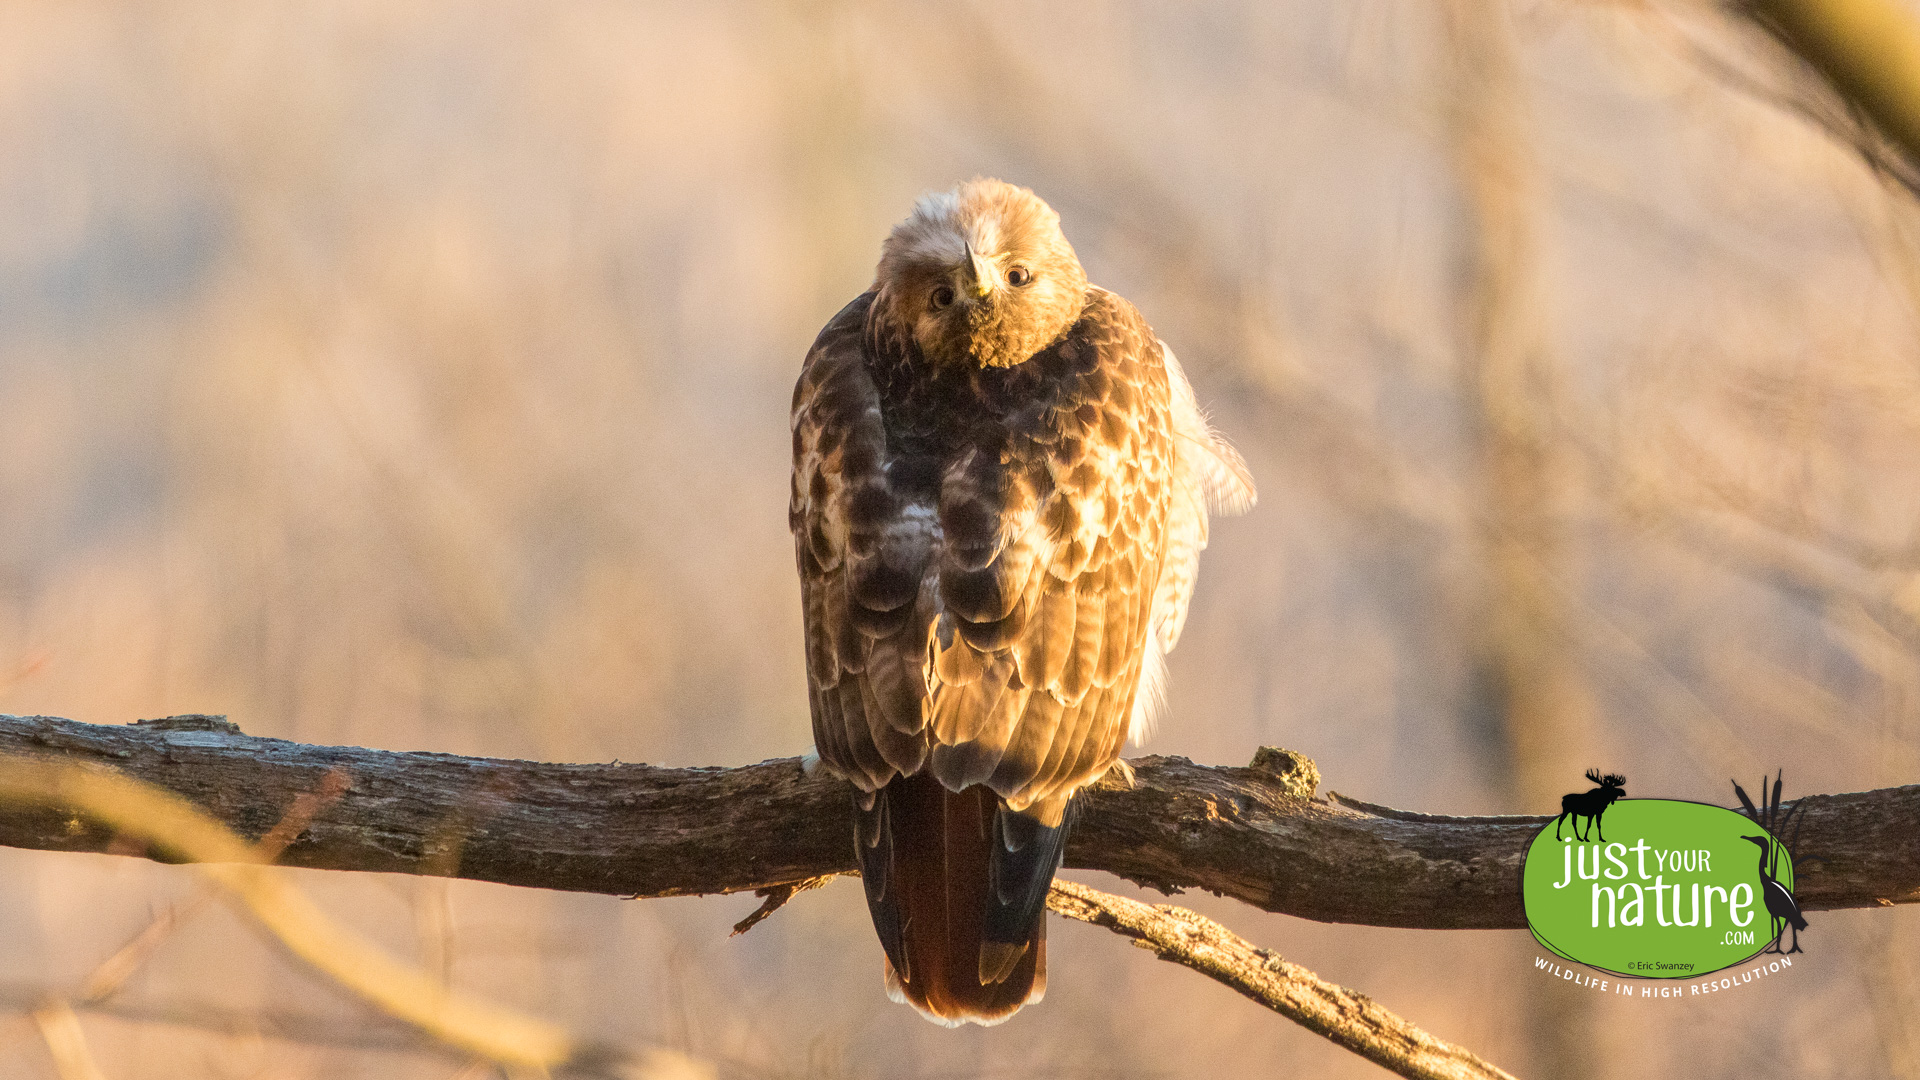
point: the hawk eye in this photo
(1019, 275)
(942, 297)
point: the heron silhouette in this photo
(1769, 816)
(1780, 902)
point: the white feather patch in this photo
(1213, 461)
(1150, 696)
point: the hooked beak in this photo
(980, 273)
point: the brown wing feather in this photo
(861, 553)
(1051, 556)
(977, 605)
(979, 556)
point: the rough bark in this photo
(1351, 1019)
(1251, 833)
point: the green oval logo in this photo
(1675, 890)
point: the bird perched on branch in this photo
(1001, 483)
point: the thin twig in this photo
(306, 806)
(113, 972)
(776, 898)
(66, 1042)
(373, 1032)
(1349, 1019)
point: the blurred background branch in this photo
(1867, 50)
(172, 828)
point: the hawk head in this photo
(980, 274)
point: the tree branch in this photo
(1250, 833)
(1352, 1020)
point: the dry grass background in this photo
(415, 376)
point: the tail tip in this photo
(997, 959)
(900, 993)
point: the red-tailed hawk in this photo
(1001, 483)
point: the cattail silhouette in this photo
(1781, 905)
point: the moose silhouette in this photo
(1590, 804)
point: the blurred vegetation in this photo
(145, 819)
(416, 376)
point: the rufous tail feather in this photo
(957, 885)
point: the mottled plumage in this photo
(1000, 490)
